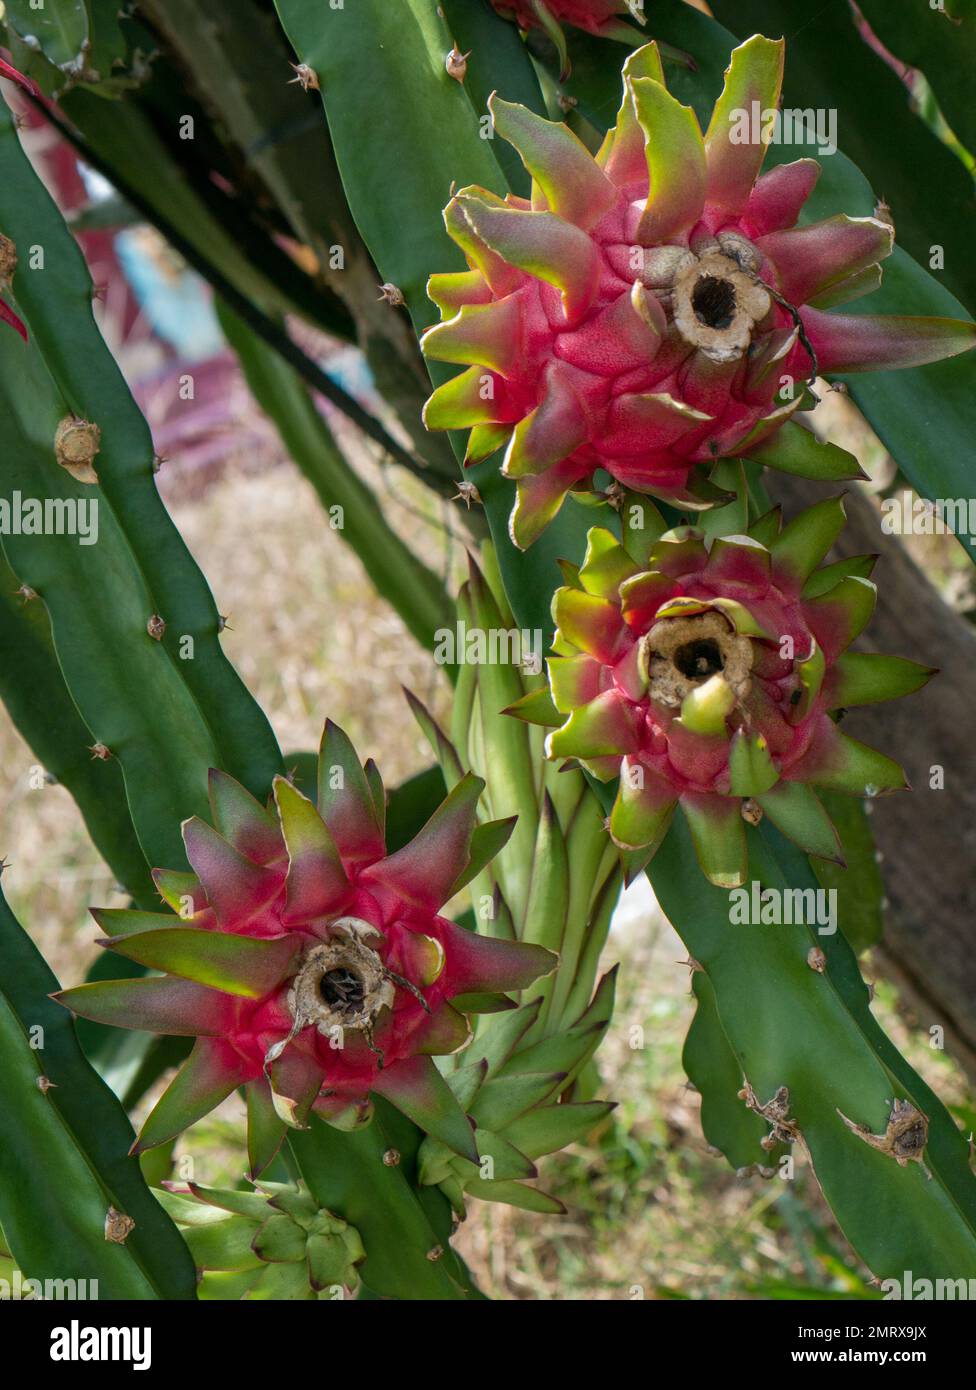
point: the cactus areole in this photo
(313, 968)
(657, 308)
(712, 676)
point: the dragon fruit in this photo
(599, 17)
(313, 968)
(656, 309)
(272, 1243)
(710, 676)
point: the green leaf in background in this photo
(860, 887)
(60, 29)
(394, 148)
(940, 41)
(499, 61)
(812, 1031)
(714, 1070)
(55, 299)
(40, 707)
(63, 1150)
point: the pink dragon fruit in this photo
(599, 17)
(656, 309)
(312, 968)
(709, 676)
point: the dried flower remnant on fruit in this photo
(391, 1158)
(76, 445)
(905, 1136)
(100, 751)
(156, 627)
(118, 1226)
(816, 960)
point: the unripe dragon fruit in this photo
(599, 17)
(656, 308)
(312, 967)
(710, 675)
(272, 1243)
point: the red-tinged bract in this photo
(8, 266)
(604, 18)
(657, 308)
(313, 968)
(710, 676)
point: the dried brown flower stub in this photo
(8, 260)
(76, 444)
(679, 654)
(905, 1137)
(816, 960)
(156, 627)
(717, 300)
(751, 811)
(118, 1226)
